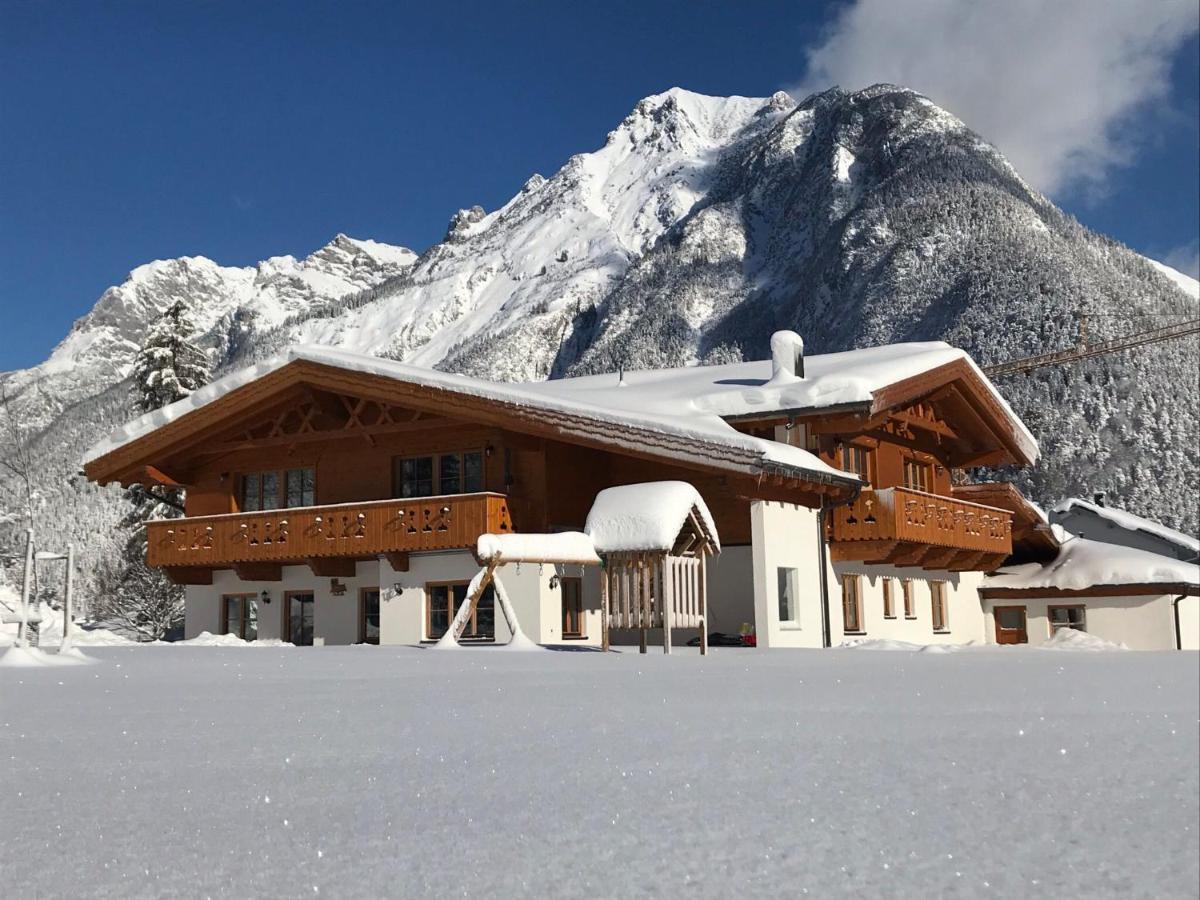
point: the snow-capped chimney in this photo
(787, 357)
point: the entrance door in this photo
(300, 619)
(1010, 625)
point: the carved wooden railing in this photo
(901, 514)
(350, 529)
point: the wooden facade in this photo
(346, 435)
(910, 444)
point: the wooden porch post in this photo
(703, 603)
(665, 604)
(604, 607)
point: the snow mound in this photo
(883, 644)
(1070, 639)
(208, 639)
(645, 516)
(32, 657)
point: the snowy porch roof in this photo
(1083, 565)
(648, 517)
(687, 433)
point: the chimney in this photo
(787, 357)
(1098, 497)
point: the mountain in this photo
(702, 225)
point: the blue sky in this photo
(138, 131)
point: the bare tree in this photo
(138, 598)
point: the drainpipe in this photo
(826, 639)
(1178, 632)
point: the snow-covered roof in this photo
(746, 388)
(687, 423)
(689, 403)
(1129, 521)
(1082, 563)
(645, 516)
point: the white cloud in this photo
(1052, 83)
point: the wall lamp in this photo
(265, 596)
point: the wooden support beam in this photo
(398, 561)
(258, 571)
(939, 557)
(968, 562)
(332, 566)
(189, 574)
(861, 551)
(908, 555)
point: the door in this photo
(1010, 625)
(300, 619)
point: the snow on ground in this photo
(367, 771)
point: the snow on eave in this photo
(691, 435)
(1130, 522)
(1082, 563)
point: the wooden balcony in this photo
(904, 527)
(328, 538)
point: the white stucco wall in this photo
(335, 618)
(785, 536)
(964, 612)
(402, 612)
(1139, 622)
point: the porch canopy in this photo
(654, 539)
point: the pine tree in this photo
(169, 366)
(167, 369)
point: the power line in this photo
(1084, 350)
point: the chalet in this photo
(336, 498)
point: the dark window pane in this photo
(233, 614)
(298, 486)
(572, 607)
(371, 617)
(270, 490)
(439, 611)
(416, 477)
(251, 485)
(449, 473)
(1011, 619)
(472, 472)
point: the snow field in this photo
(367, 771)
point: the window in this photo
(889, 606)
(446, 473)
(852, 621)
(443, 601)
(239, 615)
(910, 611)
(259, 490)
(368, 620)
(937, 596)
(572, 606)
(1067, 617)
(857, 460)
(300, 487)
(918, 475)
(789, 595)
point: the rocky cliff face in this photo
(700, 226)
